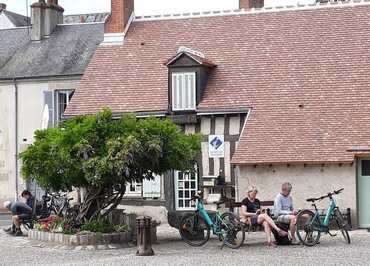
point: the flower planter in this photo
(87, 239)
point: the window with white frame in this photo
(183, 91)
(145, 189)
(133, 189)
(186, 186)
(63, 99)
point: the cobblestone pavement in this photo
(170, 250)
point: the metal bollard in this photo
(144, 240)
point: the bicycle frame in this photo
(215, 225)
(324, 223)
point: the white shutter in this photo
(49, 101)
(152, 188)
(183, 91)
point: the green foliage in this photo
(121, 228)
(99, 151)
(98, 225)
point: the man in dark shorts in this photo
(20, 211)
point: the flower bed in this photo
(95, 232)
(80, 239)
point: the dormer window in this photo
(183, 91)
(188, 73)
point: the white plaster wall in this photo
(6, 143)
(30, 107)
(158, 213)
(308, 181)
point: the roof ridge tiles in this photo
(228, 12)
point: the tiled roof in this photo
(66, 52)
(16, 19)
(304, 73)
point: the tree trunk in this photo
(99, 201)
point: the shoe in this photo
(271, 244)
(7, 230)
(295, 242)
(18, 233)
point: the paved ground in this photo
(172, 251)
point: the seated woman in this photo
(251, 212)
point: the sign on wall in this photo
(216, 146)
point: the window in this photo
(146, 189)
(183, 91)
(365, 167)
(186, 187)
(133, 189)
(63, 99)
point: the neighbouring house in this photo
(279, 94)
(40, 67)
(11, 20)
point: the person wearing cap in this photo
(20, 211)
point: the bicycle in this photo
(195, 227)
(310, 225)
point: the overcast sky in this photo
(145, 7)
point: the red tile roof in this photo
(304, 74)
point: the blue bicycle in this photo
(195, 227)
(310, 225)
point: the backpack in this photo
(282, 240)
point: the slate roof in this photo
(16, 19)
(66, 52)
(85, 18)
(303, 73)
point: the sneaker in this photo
(18, 233)
(7, 230)
(295, 242)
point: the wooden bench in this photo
(269, 206)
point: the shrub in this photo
(98, 225)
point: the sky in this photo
(145, 7)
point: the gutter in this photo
(16, 137)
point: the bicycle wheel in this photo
(194, 230)
(342, 225)
(307, 228)
(234, 231)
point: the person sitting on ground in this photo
(284, 210)
(20, 211)
(252, 213)
(29, 200)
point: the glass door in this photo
(186, 186)
(363, 185)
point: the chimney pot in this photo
(2, 7)
(248, 4)
(121, 11)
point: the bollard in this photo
(144, 240)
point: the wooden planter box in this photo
(80, 240)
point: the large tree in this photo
(102, 155)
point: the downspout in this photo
(16, 137)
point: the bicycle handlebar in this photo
(329, 195)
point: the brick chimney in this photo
(248, 4)
(44, 18)
(2, 7)
(121, 11)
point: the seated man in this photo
(284, 210)
(20, 211)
